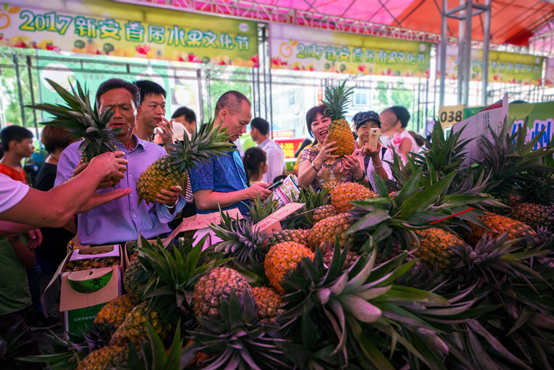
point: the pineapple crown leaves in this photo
(241, 239)
(81, 120)
(175, 271)
(337, 100)
(509, 158)
(66, 353)
(237, 339)
(153, 355)
(494, 261)
(208, 142)
(259, 210)
(342, 302)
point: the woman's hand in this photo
(354, 164)
(325, 152)
(373, 153)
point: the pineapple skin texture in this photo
(214, 286)
(499, 225)
(325, 231)
(296, 236)
(341, 132)
(134, 326)
(534, 215)
(269, 304)
(281, 258)
(129, 282)
(351, 258)
(435, 249)
(159, 175)
(104, 358)
(343, 194)
(323, 212)
(115, 311)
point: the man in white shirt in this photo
(273, 151)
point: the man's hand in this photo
(257, 189)
(166, 131)
(169, 197)
(112, 164)
(35, 238)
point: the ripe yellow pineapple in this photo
(269, 304)
(323, 212)
(336, 103)
(297, 236)
(105, 358)
(281, 258)
(214, 286)
(534, 215)
(115, 311)
(343, 194)
(435, 249)
(325, 232)
(207, 143)
(499, 225)
(134, 326)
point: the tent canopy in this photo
(512, 21)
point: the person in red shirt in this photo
(17, 143)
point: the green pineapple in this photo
(82, 121)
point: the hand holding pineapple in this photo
(325, 152)
(169, 197)
(108, 162)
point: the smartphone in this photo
(275, 185)
(374, 135)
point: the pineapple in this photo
(296, 236)
(104, 358)
(351, 258)
(534, 215)
(134, 326)
(134, 279)
(327, 230)
(281, 258)
(206, 143)
(435, 249)
(269, 304)
(343, 194)
(336, 102)
(498, 225)
(82, 121)
(323, 212)
(115, 311)
(215, 286)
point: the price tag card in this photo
(449, 115)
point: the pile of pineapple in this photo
(446, 267)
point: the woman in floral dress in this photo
(318, 167)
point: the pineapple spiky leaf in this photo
(337, 100)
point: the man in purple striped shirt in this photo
(123, 219)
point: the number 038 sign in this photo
(451, 115)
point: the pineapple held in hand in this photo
(336, 100)
(82, 121)
(169, 170)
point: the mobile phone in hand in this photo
(374, 136)
(275, 185)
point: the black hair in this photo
(253, 158)
(147, 87)
(189, 114)
(232, 101)
(402, 114)
(279, 178)
(55, 138)
(117, 83)
(11, 133)
(304, 144)
(311, 115)
(418, 139)
(261, 125)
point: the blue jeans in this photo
(34, 276)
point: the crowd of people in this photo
(71, 200)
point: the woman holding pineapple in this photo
(332, 159)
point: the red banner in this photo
(289, 146)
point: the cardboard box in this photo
(199, 222)
(272, 223)
(98, 286)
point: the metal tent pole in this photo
(461, 56)
(467, 52)
(486, 42)
(443, 53)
